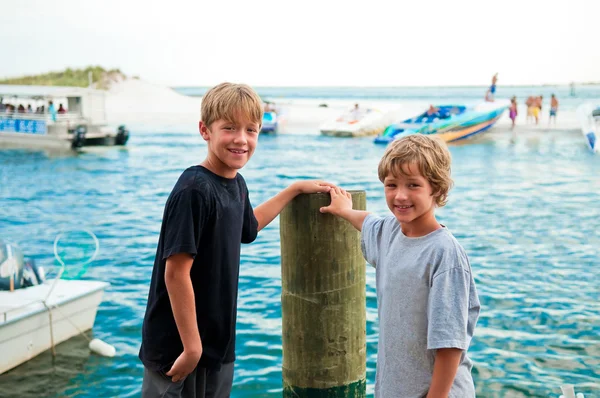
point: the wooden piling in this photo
(323, 301)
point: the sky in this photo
(308, 42)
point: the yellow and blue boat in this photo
(449, 122)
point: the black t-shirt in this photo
(207, 216)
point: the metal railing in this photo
(63, 117)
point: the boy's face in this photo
(230, 144)
(409, 196)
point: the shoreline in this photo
(142, 104)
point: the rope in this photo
(62, 269)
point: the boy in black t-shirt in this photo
(188, 334)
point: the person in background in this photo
(535, 109)
(432, 111)
(529, 102)
(356, 113)
(492, 90)
(553, 109)
(61, 109)
(52, 110)
(512, 111)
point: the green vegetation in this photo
(70, 77)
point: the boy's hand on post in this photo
(340, 201)
(184, 365)
(266, 212)
(312, 186)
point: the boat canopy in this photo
(88, 103)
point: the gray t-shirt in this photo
(426, 300)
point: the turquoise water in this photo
(527, 213)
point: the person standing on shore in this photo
(512, 111)
(530, 105)
(493, 86)
(553, 109)
(536, 108)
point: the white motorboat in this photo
(356, 122)
(55, 118)
(26, 317)
(36, 315)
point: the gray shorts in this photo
(201, 383)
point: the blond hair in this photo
(228, 101)
(431, 156)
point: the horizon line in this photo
(414, 86)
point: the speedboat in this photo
(269, 123)
(355, 123)
(34, 117)
(449, 122)
(589, 117)
(37, 314)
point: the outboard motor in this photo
(79, 136)
(122, 135)
(11, 266)
(33, 274)
(23, 272)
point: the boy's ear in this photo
(203, 130)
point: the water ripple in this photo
(526, 212)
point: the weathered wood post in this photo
(323, 301)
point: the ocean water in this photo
(527, 212)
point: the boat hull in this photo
(371, 123)
(460, 127)
(589, 118)
(17, 140)
(21, 132)
(269, 129)
(269, 123)
(25, 329)
(344, 132)
(592, 141)
(465, 132)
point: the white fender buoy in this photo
(568, 390)
(101, 348)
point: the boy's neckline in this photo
(218, 175)
(428, 234)
(218, 168)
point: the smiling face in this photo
(230, 144)
(410, 198)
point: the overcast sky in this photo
(305, 43)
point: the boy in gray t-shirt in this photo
(427, 300)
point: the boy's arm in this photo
(444, 370)
(354, 217)
(341, 206)
(181, 295)
(267, 211)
